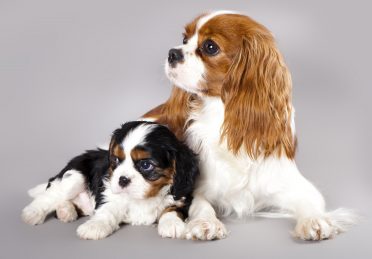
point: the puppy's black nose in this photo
(175, 56)
(123, 181)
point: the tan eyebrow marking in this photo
(118, 151)
(139, 154)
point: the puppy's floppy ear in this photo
(117, 135)
(257, 96)
(186, 171)
(112, 143)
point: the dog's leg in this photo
(104, 222)
(82, 205)
(313, 221)
(171, 223)
(61, 190)
(290, 192)
(66, 212)
(203, 223)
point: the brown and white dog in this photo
(232, 104)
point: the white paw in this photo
(33, 215)
(314, 229)
(142, 220)
(66, 212)
(171, 226)
(94, 229)
(205, 229)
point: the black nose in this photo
(123, 181)
(175, 56)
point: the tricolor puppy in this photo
(233, 105)
(146, 176)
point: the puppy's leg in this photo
(291, 192)
(103, 223)
(171, 223)
(82, 205)
(66, 212)
(203, 223)
(61, 190)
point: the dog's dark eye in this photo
(185, 40)
(210, 48)
(145, 166)
(114, 160)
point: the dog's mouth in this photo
(174, 78)
(171, 75)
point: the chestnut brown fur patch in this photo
(118, 152)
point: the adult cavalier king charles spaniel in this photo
(232, 105)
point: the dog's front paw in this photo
(94, 230)
(205, 229)
(171, 226)
(33, 215)
(314, 229)
(66, 212)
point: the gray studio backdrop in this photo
(73, 71)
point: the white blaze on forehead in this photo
(210, 16)
(191, 45)
(136, 137)
(193, 41)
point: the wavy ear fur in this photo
(257, 97)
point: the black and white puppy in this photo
(146, 176)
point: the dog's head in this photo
(230, 56)
(146, 159)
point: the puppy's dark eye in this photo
(210, 48)
(185, 40)
(145, 166)
(114, 160)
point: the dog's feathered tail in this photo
(37, 190)
(343, 219)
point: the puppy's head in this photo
(147, 160)
(230, 56)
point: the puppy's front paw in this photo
(66, 212)
(33, 215)
(94, 230)
(171, 226)
(205, 229)
(314, 229)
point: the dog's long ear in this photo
(187, 169)
(257, 98)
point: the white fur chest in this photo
(137, 211)
(224, 177)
